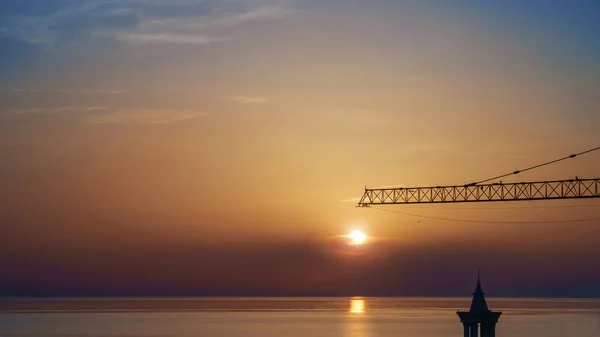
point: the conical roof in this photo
(478, 304)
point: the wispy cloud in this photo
(139, 21)
(263, 12)
(63, 90)
(56, 110)
(249, 99)
(205, 29)
(170, 38)
(134, 115)
(109, 115)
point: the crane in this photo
(538, 190)
(484, 191)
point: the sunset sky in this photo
(217, 147)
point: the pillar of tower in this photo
(485, 330)
(488, 330)
(475, 330)
(466, 330)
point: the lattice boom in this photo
(540, 190)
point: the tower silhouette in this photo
(479, 317)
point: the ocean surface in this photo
(289, 317)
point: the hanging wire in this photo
(534, 167)
(499, 208)
(510, 222)
(484, 221)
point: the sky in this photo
(218, 147)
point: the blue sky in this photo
(52, 23)
(38, 34)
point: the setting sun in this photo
(357, 237)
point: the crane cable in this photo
(534, 167)
(484, 221)
(498, 177)
(501, 208)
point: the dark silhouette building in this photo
(479, 321)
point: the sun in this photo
(357, 237)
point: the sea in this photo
(289, 317)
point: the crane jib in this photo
(539, 190)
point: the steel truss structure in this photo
(539, 190)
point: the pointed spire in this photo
(478, 289)
(478, 304)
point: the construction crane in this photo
(484, 191)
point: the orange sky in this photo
(263, 132)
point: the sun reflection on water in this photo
(357, 306)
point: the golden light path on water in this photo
(356, 326)
(357, 306)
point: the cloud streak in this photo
(110, 115)
(135, 21)
(303, 267)
(58, 110)
(17, 90)
(170, 38)
(133, 115)
(249, 99)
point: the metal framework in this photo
(539, 190)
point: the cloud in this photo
(249, 99)
(110, 115)
(58, 110)
(304, 267)
(268, 12)
(204, 28)
(170, 38)
(134, 115)
(134, 21)
(63, 90)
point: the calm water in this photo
(289, 317)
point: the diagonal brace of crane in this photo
(539, 190)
